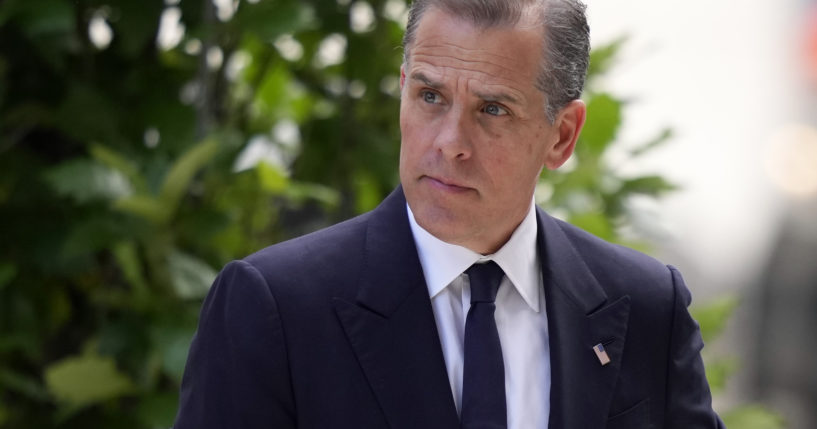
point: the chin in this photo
(441, 223)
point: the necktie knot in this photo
(485, 280)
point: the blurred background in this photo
(737, 82)
(144, 144)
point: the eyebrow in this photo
(426, 80)
(487, 96)
(497, 96)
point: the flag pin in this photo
(601, 354)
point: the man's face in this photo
(475, 135)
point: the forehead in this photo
(509, 54)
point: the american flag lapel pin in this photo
(601, 354)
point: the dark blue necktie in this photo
(483, 381)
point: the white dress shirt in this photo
(520, 316)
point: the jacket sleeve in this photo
(237, 373)
(689, 402)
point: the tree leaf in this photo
(713, 315)
(277, 94)
(646, 185)
(594, 222)
(43, 17)
(191, 277)
(23, 384)
(171, 339)
(602, 57)
(8, 9)
(127, 257)
(84, 380)
(84, 180)
(603, 120)
(87, 114)
(158, 410)
(137, 25)
(718, 372)
(270, 19)
(753, 416)
(271, 178)
(182, 172)
(367, 192)
(112, 159)
(146, 207)
(7, 273)
(299, 191)
(664, 136)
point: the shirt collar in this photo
(443, 262)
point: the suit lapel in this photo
(392, 330)
(391, 326)
(579, 317)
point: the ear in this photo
(567, 126)
(402, 76)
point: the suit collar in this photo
(443, 262)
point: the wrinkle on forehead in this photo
(439, 61)
(453, 50)
(452, 41)
(496, 69)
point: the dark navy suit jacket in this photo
(335, 330)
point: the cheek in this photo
(406, 126)
(416, 133)
(411, 140)
(518, 166)
(538, 147)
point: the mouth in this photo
(445, 184)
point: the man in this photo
(457, 302)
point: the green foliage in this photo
(7, 273)
(79, 381)
(84, 180)
(712, 318)
(121, 190)
(603, 58)
(753, 417)
(589, 192)
(602, 123)
(129, 173)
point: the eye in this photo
(494, 110)
(430, 97)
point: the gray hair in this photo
(566, 39)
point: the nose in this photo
(453, 139)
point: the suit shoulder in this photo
(323, 256)
(589, 244)
(329, 242)
(621, 267)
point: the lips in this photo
(445, 184)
